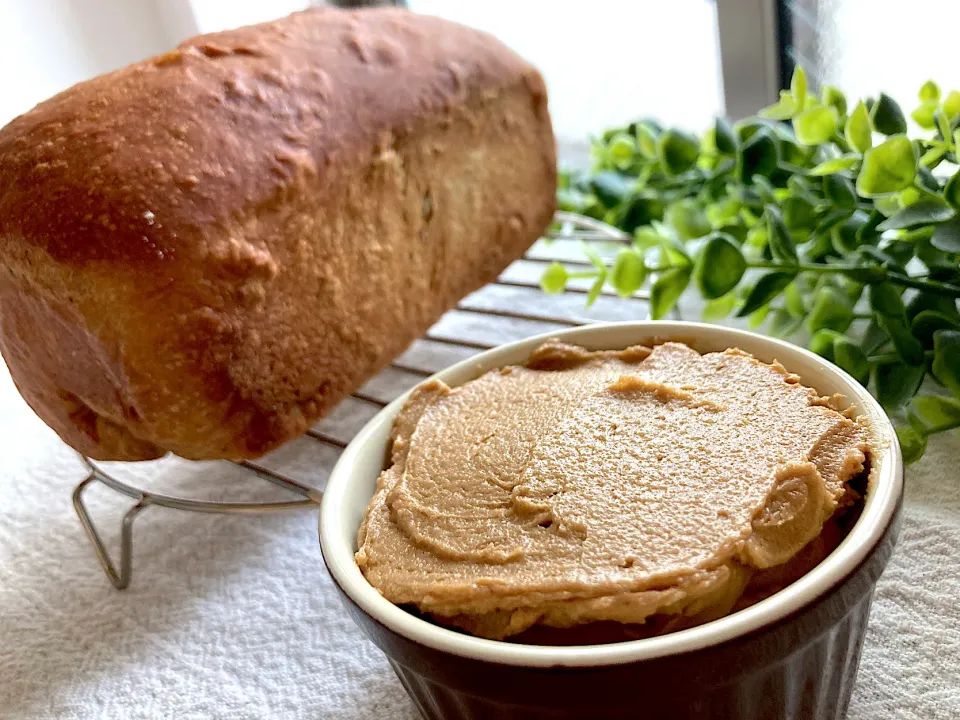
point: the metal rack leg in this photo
(119, 579)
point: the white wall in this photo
(892, 46)
(607, 62)
(48, 45)
(213, 15)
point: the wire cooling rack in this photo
(510, 309)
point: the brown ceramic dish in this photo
(793, 655)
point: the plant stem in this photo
(930, 286)
(801, 267)
(925, 190)
(924, 233)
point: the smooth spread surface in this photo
(603, 486)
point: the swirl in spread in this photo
(604, 486)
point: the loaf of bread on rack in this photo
(205, 252)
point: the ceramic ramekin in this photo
(794, 655)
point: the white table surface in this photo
(235, 617)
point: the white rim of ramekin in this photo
(339, 544)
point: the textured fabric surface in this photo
(235, 617)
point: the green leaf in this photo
(666, 290)
(719, 308)
(572, 200)
(852, 289)
(886, 116)
(846, 235)
(554, 278)
(645, 237)
(831, 219)
(848, 355)
(764, 290)
(946, 359)
(639, 210)
(857, 130)
(822, 343)
(912, 444)
(928, 301)
(782, 323)
(868, 233)
(951, 192)
(756, 240)
(946, 236)
(596, 288)
(835, 165)
(647, 141)
(923, 114)
(802, 188)
(926, 323)
(628, 272)
(839, 191)
(724, 138)
(907, 196)
(593, 257)
(831, 310)
(688, 218)
(888, 168)
(885, 300)
(719, 266)
(865, 273)
(907, 346)
(611, 188)
(757, 156)
(932, 157)
(798, 86)
(757, 317)
(764, 189)
(784, 109)
(951, 104)
(677, 151)
(897, 383)
(943, 124)
(622, 150)
(815, 125)
(873, 337)
(830, 95)
(794, 301)
(929, 92)
(778, 237)
(798, 213)
(672, 252)
(888, 205)
(936, 411)
(924, 212)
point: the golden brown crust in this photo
(204, 252)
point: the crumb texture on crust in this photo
(204, 252)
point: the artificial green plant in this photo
(818, 220)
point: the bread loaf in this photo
(205, 252)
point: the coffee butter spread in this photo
(630, 486)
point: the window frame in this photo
(751, 54)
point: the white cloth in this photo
(235, 616)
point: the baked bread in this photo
(205, 252)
